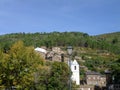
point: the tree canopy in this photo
(108, 42)
(17, 67)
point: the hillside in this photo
(96, 53)
(113, 39)
(109, 42)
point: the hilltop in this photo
(113, 38)
(108, 42)
(100, 49)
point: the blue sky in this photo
(89, 16)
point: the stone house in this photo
(42, 52)
(56, 50)
(95, 78)
(56, 54)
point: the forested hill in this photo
(109, 42)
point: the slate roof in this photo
(92, 73)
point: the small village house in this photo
(95, 78)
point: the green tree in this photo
(59, 76)
(42, 78)
(18, 66)
(53, 77)
(115, 40)
(115, 67)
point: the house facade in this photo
(95, 78)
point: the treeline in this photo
(76, 39)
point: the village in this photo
(92, 80)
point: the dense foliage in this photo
(53, 78)
(23, 68)
(18, 65)
(115, 68)
(76, 39)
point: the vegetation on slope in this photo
(99, 52)
(108, 42)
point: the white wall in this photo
(75, 72)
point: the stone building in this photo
(56, 54)
(95, 78)
(42, 51)
(56, 50)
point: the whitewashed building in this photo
(75, 72)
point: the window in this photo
(74, 67)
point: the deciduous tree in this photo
(18, 66)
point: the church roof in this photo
(74, 62)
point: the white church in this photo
(75, 72)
